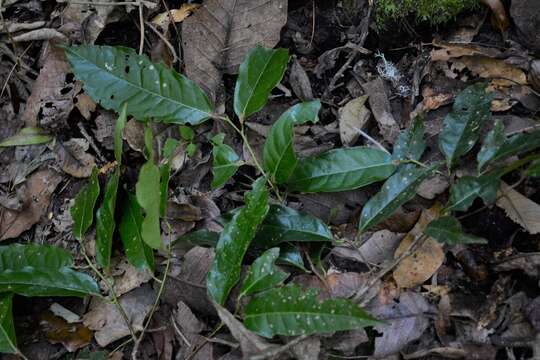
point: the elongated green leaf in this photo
(260, 72)
(165, 173)
(396, 191)
(468, 188)
(263, 274)
(42, 270)
(226, 161)
(494, 139)
(462, 126)
(113, 76)
(138, 253)
(234, 242)
(410, 144)
(288, 311)
(82, 211)
(279, 158)
(8, 341)
(147, 191)
(27, 136)
(447, 230)
(341, 169)
(291, 256)
(534, 169)
(199, 237)
(517, 145)
(105, 223)
(118, 131)
(283, 224)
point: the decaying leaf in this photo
(380, 106)
(174, 15)
(424, 261)
(217, 37)
(89, 20)
(353, 116)
(502, 73)
(39, 188)
(59, 331)
(127, 277)
(73, 158)
(523, 211)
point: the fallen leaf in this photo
(73, 158)
(380, 106)
(379, 247)
(127, 277)
(503, 74)
(176, 15)
(66, 314)
(346, 341)
(499, 17)
(59, 331)
(134, 135)
(39, 188)
(217, 37)
(107, 322)
(353, 116)
(425, 260)
(430, 188)
(93, 19)
(307, 349)
(104, 131)
(529, 263)
(185, 318)
(521, 210)
(299, 81)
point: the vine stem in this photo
(114, 298)
(242, 134)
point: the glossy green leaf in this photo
(105, 222)
(165, 173)
(283, 224)
(517, 145)
(468, 188)
(341, 169)
(8, 341)
(201, 237)
(225, 161)
(191, 149)
(118, 132)
(138, 253)
(234, 241)
(42, 270)
(291, 256)
(260, 72)
(396, 191)
(534, 169)
(27, 136)
(494, 139)
(263, 274)
(279, 158)
(290, 311)
(448, 230)
(410, 144)
(186, 133)
(463, 125)
(148, 195)
(113, 76)
(82, 211)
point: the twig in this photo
(91, 142)
(201, 345)
(148, 4)
(164, 39)
(141, 25)
(274, 352)
(365, 135)
(339, 74)
(179, 332)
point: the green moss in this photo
(434, 12)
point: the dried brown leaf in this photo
(521, 210)
(59, 331)
(73, 158)
(353, 116)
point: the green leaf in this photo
(8, 341)
(138, 253)
(234, 242)
(118, 130)
(113, 76)
(190, 149)
(462, 126)
(165, 173)
(517, 145)
(260, 72)
(447, 230)
(263, 274)
(186, 133)
(534, 169)
(279, 158)
(147, 191)
(494, 139)
(288, 311)
(396, 191)
(105, 223)
(283, 224)
(225, 162)
(42, 270)
(82, 211)
(468, 188)
(410, 144)
(341, 169)
(290, 255)
(27, 136)
(201, 237)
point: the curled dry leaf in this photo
(127, 277)
(59, 331)
(380, 106)
(39, 188)
(353, 116)
(521, 210)
(176, 15)
(73, 158)
(299, 81)
(425, 260)
(502, 73)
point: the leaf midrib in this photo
(296, 180)
(252, 88)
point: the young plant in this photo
(115, 76)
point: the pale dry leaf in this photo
(86, 105)
(37, 196)
(382, 112)
(185, 318)
(104, 131)
(127, 277)
(299, 81)
(521, 210)
(217, 37)
(430, 188)
(425, 260)
(107, 322)
(176, 15)
(134, 135)
(307, 349)
(64, 313)
(73, 158)
(503, 74)
(447, 51)
(379, 247)
(89, 20)
(353, 116)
